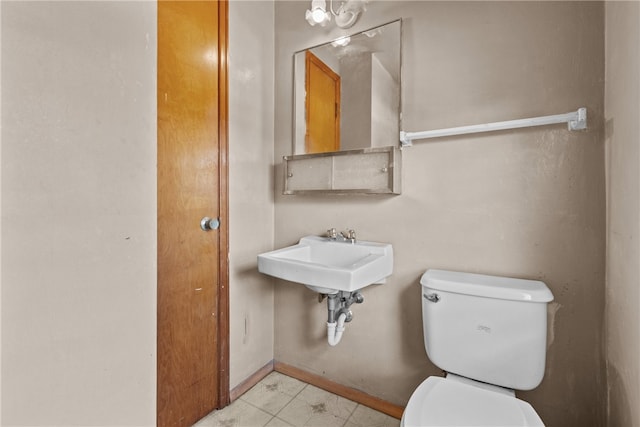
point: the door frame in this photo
(223, 197)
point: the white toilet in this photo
(489, 335)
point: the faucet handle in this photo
(349, 234)
(332, 233)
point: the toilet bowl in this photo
(488, 334)
(457, 401)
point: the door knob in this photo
(208, 224)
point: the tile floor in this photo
(282, 401)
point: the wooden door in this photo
(192, 271)
(322, 104)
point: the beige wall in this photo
(78, 198)
(250, 184)
(526, 203)
(355, 100)
(78, 169)
(622, 109)
(78, 213)
(0, 216)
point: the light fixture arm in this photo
(349, 12)
(331, 8)
(346, 16)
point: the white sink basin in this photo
(328, 266)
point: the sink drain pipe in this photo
(338, 304)
(335, 330)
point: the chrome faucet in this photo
(349, 235)
(343, 236)
(332, 234)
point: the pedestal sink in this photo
(329, 266)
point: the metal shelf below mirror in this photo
(363, 171)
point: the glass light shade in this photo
(318, 13)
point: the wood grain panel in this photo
(189, 181)
(322, 105)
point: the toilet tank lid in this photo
(487, 286)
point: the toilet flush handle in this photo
(432, 297)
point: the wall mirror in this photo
(347, 92)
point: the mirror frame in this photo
(297, 103)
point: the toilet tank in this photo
(488, 328)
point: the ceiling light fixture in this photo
(346, 16)
(318, 13)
